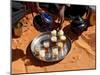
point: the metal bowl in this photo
(37, 42)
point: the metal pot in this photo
(78, 25)
(43, 22)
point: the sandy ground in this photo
(81, 56)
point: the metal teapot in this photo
(43, 22)
(78, 25)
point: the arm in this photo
(61, 14)
(38, 8)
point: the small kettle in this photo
(78, 25)
(43, 22)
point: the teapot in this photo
(78, 25)
(44, 22)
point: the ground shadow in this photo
(34, 61)
(16, 54)
(70, 33)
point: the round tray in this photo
(37, 42)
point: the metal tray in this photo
(37, 42)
